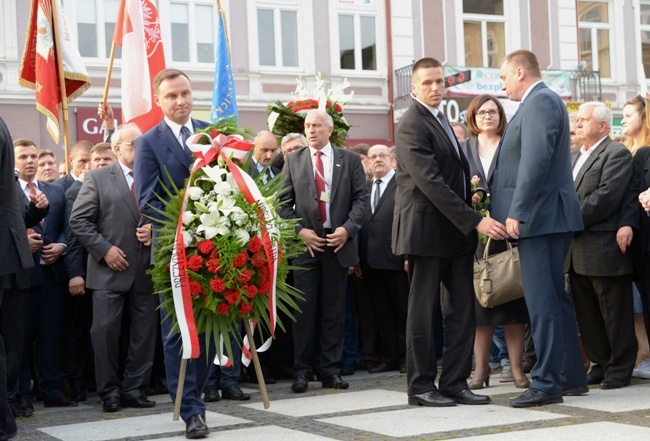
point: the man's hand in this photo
(34, 239)
(512, 227)
(492, 228)
(105, 112)
(338, 238)
(77, 286)
(52, 251)
(313, 241)
(644, 198)
(624, 238)
(355, 271)
(143, 234)
(115, 258)
(39, 200)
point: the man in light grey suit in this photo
(533, 194)
(599, 273)
(327, 192)
(106, 221)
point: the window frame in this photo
(642, 28)
(594, 27)
(483, 20)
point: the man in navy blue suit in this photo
(161, 155)
(534, 195)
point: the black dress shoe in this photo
(138, 403)
(432, 398)
(25, 408)
(111, 404)
(300, 384)
(196, 427)
(533, 397)
(335, 382)
(78, 394)
(234, 393)
(383, 367)
(569, 391)
(346, 370)
(613, 383)
(466, 396)
(211, 395)
(402, 368)
(59, 401)
(594, 378)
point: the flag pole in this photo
(108, 73)
(64, 95)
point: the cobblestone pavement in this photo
(374, 408)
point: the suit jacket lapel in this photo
(122, 187)
(590, 161)
(170, 142)
(337, 165)
(390, 187)
(438, 127)
(308, 170)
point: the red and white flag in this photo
(137, 32)
(39, 70)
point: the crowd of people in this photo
(390, 235)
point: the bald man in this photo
(265, 149)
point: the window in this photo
(94, 35)
(192, 31)
(484, 32)
(645, 36)
(277, 35)
(358, 36)
(594, 33)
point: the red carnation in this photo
(258, 260)
(313, 103)
(338, 108)
(240, 260)
(205, 247)
(195, 263)
(217, 285)
(265, 287)
(195, 288)
(245, 308)
(231, 296)
(255, 244)
(214, 254)
(251, 290)
(213, 265)
(223, 308)
(244, 277)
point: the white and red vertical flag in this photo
(39, 69)
(137, 32)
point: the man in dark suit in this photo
(15, 258)
(106, 221)
(533, 193)
(79, 160)
(327, 192)
(264, 150)
(434, 226)
(599, 273)
(162, 157)
(45, 304)
(383, 272)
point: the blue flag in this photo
(224, 99)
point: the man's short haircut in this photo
(291, 136)
(525, 59)
(83, 145)
(45, 152)
(24, 142)
(360, 148)
(426, 63)
(600, 112)
(167, 74)
(101, 147)
(328, 118)
(117, 136)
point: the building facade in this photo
(273, 42)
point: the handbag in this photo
(497, 278)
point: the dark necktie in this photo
(32, 192)
(185, 134)
(320, 187)
(135, 201)
(375, 199)
(445, 125)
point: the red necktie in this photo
(32, 192)
(135, 201)
(320, 187)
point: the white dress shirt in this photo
(328, 163)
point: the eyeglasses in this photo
(130, 144)
(484, 113)
(379, 156)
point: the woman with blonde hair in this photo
(486, 120)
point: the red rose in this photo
(255, 244)
(244, 277)
(245, 308)
(195, 263)
(213, 265)
(258, 260)
(205, 247)
(231, 297)
(223, 308)
(217, 285)
(313, 103)
(251, 290)
(240, 260)
(265, 287)
(338, 108)
(195, 288)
